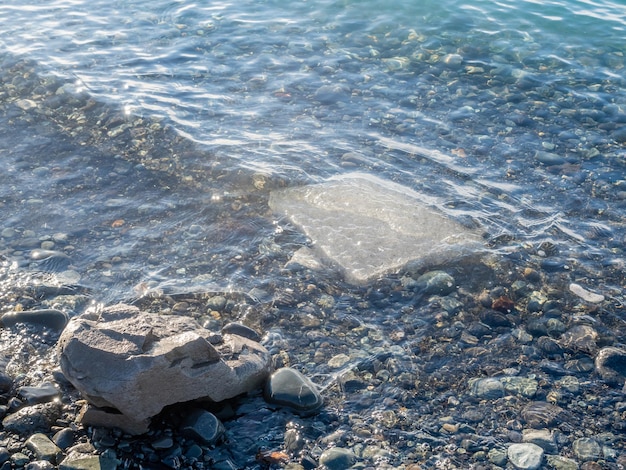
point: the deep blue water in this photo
(512, 114)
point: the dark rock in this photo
(36, 418)
(241, 330)
(288, 387)
(203, 426)
(44, 393)
(494, 319)
(64, 438)
(50, 318)
(610, 364)
(5, 382)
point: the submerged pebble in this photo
(288, 387)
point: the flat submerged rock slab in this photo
(367, 226)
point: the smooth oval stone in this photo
(549, 158)
(337, 458)
(204, 426)
(241, 330)
(44, 393)
(50, 318)
(288, 387)
(50, 260)
(436, 283)
(525, 456)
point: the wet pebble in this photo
(587, 449)
(82, 461)
(561, 463)
(436, 283)
(489, 388)
(203, 426)
(453, 61)
(540, 414)
(241, 330)
(64, 438)
(43, 447)
(544, 438)
(619, 135)
(40, 465)
(288, 387)
(5, 382)
(585, 294)
(525, 456)
(44, 393)
(49, 318)
(337, 458)
(549, 158)
(50, 260)
(329, 94)
(610, 364)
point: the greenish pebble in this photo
(337, 458)
(436, 283)
(76, 461)
(43, 447)
(570, 384)
(586, 449)
(561, 463)
(490, 388)
(19, 459)
(497, 457)
(338, 361)
(521, 386)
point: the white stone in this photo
(586, 295)
(367, 226)
(525, 456)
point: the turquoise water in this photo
(512, 114)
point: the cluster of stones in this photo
(129, 365)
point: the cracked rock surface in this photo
(137, 363)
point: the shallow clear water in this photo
(512, 114)
(454, 99)
(141, 139)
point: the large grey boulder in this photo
(137, 363)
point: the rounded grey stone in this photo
(43, 448)
(241, 330)
(288, 387)
(525, 456)
(610, 364)
(50, 318)
(436, 283)
(204, 426)
(337, 458)
(586, 449)
(489, 388)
